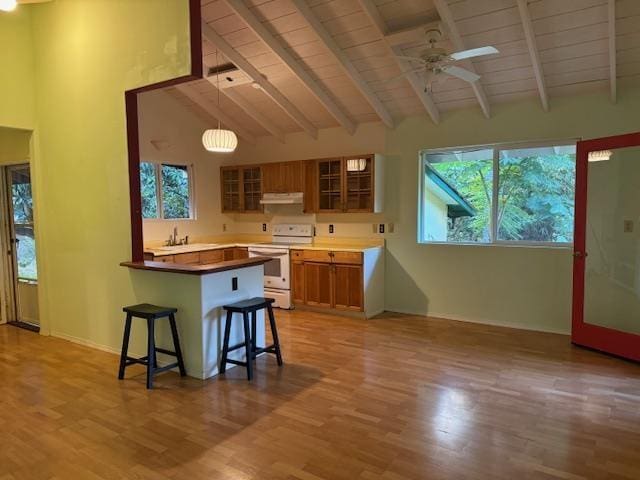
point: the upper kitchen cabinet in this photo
(241, 189)
(283, 177)
(350, 184)
(251, 189)
(230, 183)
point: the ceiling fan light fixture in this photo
(8, 5)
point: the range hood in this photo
(294, 198)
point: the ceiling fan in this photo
(9, 5)
(436, 63)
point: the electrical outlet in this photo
(234, 283)
(331, 228)
(381, 228)
(264, 227)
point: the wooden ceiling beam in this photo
(344, 61)
(613, 76)
(530, 38)
(256, 26)
(214, 110)
(418, 87)
(265, 85)
(447, 19)
(250, 110)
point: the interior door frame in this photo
(10, 313)
(608, 340)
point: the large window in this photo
(508, 194)
(166, 191)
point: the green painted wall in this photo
(87, 53)
(17, 101)
(518, 286)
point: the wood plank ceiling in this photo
(312, 64)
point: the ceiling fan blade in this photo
(461, 73)
(474, 52)
(410, 59)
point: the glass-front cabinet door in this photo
(230, 189)
(359, 184)
(251, 189)
(330, 185)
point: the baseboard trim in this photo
(516, 326)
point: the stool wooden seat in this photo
(246, 307)
(151, 313)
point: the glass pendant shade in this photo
(219, 140)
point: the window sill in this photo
(547, 246)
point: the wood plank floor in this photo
(394, 398)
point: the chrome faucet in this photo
(173, 239)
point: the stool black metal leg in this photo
(247, 345)
(176, 345)
(254, 339)
(274, 333)
(151, 350)
(225, 342)
(125, 346)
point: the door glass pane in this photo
(22, 206)
(536, 194)
(612, 270)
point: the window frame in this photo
(157, 170)
(495, 194)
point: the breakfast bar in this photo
(198, 292)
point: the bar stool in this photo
(246, 307)
(150, 313)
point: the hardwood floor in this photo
(394, 398)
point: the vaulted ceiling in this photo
(302, 65)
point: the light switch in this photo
(628, 226)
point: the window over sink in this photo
(166, 191)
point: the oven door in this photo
(276, 271)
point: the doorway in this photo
(606, 275)
(20, 267)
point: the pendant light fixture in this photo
(219, 140)
(8, 5)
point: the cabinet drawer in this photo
(187, 258)
(297, 255)
(323, 256)
(164, 259)
(211, 256)
(352, 258)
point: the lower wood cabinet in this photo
(318, 280)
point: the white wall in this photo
(178, 132)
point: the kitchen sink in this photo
(193, 247)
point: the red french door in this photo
(606, 258)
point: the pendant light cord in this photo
(218, 85)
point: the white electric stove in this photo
(277, 272)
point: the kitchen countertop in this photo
(201, 247)
(196, 269)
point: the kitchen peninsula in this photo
(199, 292)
